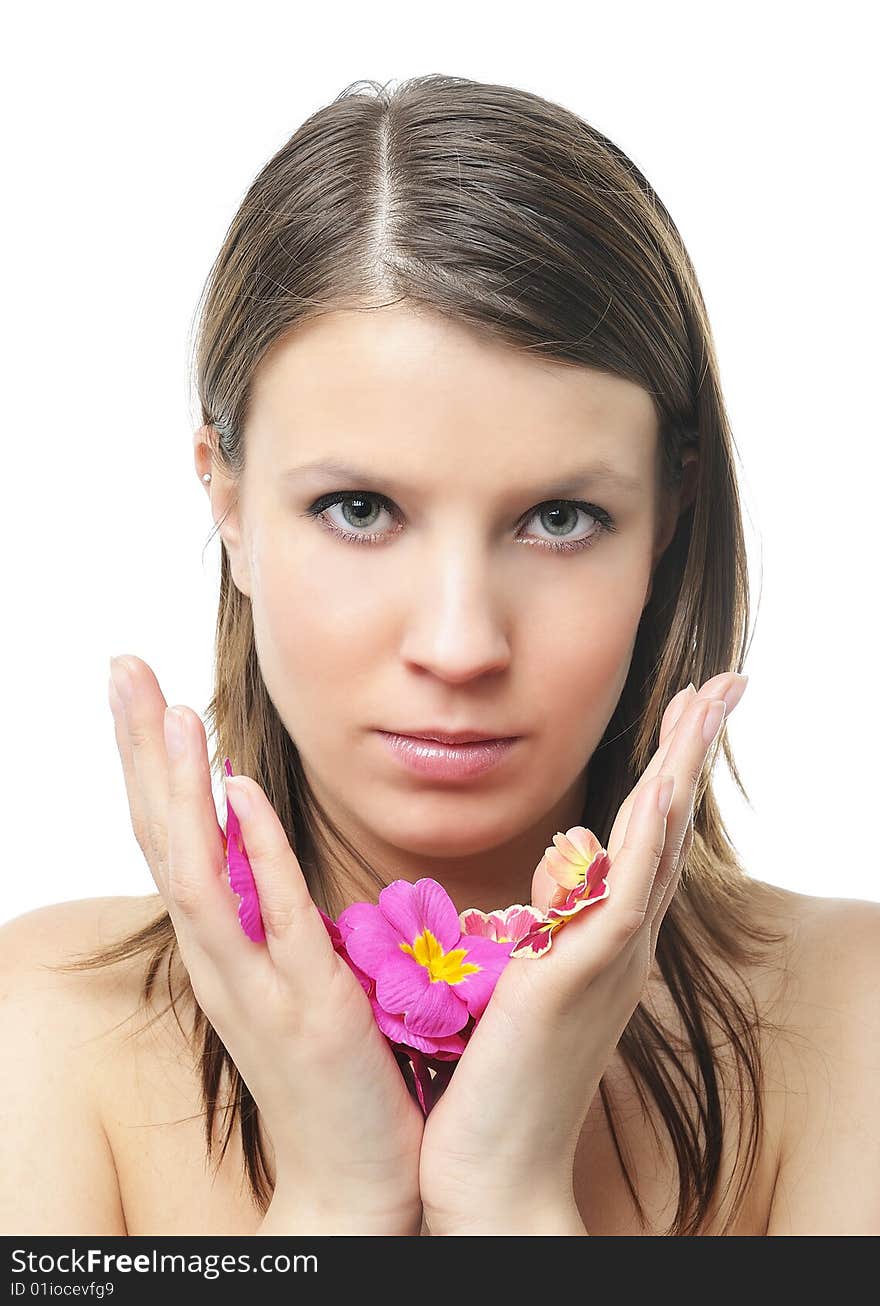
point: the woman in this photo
(463, 437)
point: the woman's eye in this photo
(362, 510)
(560, 518)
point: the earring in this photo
(206, 477)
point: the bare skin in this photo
(461, 617)
(112, 1140)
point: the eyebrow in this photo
(597, 472)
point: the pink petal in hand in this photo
(569, 877)
(240, 875)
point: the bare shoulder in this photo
(59, 1031)
(829, 946)
(39, 948)
(825, 1045)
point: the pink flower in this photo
(569, 860)
(578, 864)
(508, 926)
(240, 875)
(430, 977)
(333, 930)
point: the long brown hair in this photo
(510, 214)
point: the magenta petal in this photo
(338, 942)
(438, 1011)
(401, 983)
(477, 988)
(240, 875)
(425, 905)
(369, 940)
(392, 1027)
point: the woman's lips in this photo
(438, 761)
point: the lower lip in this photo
(447, 761)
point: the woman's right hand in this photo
(344, 1129)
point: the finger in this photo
(674, 709)
(202, 904)
(296, 936)
(687, 755)
(633, 871)
(138, 712)
(720, 686)
(584, 953)
(672, 887)
(725, 684)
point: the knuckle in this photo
(656, 847)
(138, 735)
(185, 893)
(279, 918)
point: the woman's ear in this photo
(222, 492)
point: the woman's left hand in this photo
(498, 1147)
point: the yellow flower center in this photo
(440, 965)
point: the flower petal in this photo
(392, 1026)
(240, 875)
(439, 1011)
(568, 860)
(365, 981)
(401, 983)
(517, 921)
(413, 908)
(581, 843)
(369, 939)
(474, 921)
(537, 943)
(477, 987)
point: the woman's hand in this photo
(343, 1127)
(499, 1146)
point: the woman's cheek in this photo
(593, 639)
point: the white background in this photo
(130, 137)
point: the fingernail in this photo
(175, 736)
(712, 720)
(242, 804)
(115, 700)
(684, 696)
(735, 692)
(121, 679)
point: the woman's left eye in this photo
(556, 514)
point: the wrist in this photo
(495, 1220)
(293, 1213)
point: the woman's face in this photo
(459, 613)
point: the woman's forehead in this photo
(362, 390)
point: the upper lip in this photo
(452, 736)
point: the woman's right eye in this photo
(357, 511)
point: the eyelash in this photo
(603, 519)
